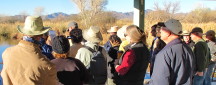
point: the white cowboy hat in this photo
(93, 34)
(113, 29)
(122, 31)
(185, 33)
(33, 26)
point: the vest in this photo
(138, 69)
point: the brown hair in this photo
(136, 34)
(57, 55)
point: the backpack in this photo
(97, 67)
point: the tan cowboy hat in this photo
(33, 26)
(93, 34)
(185, 33)
(113, 29)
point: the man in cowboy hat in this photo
(187, 39)
(112, 31)
(24, 64)
(174, 64)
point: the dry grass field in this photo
(9, 30)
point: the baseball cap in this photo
(73, 24)
(197, 29)
(210, 32)
(174, 26)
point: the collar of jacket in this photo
(173, 42)
(29, 45)
(133, 45)
(92, 45)
(200, 40)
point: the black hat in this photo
(160, 24)
(76, 35)
(197, 29)
(210, 32)
(60, 44)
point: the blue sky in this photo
(15, 7)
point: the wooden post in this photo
(138, 18)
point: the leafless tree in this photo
(167, 11)
(38, 11)
(175, 7)
(89, 9)
(23, 15)
(171, 7)
(167, 6)
(156, 6)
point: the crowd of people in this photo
(176, 57)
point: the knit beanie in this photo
(60, 44)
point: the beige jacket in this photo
(84, 55)
(24, 64)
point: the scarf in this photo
(29, 39)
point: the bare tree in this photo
(167, 6)
(38, 11)
(167, 11)
(156, 6)
(23, 15)
(175, 7)
(80, 4)
(171, 7)
(89, 9)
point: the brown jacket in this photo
(74, 48)
(24, 64)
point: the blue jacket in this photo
(174, 65)
(107, 46)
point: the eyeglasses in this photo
(125, 35)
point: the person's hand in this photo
(116, 66)
(116, 62)
(213, 59)
(199, 73)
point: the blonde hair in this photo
(136, 34)
(57, 55)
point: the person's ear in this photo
(169, 33)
